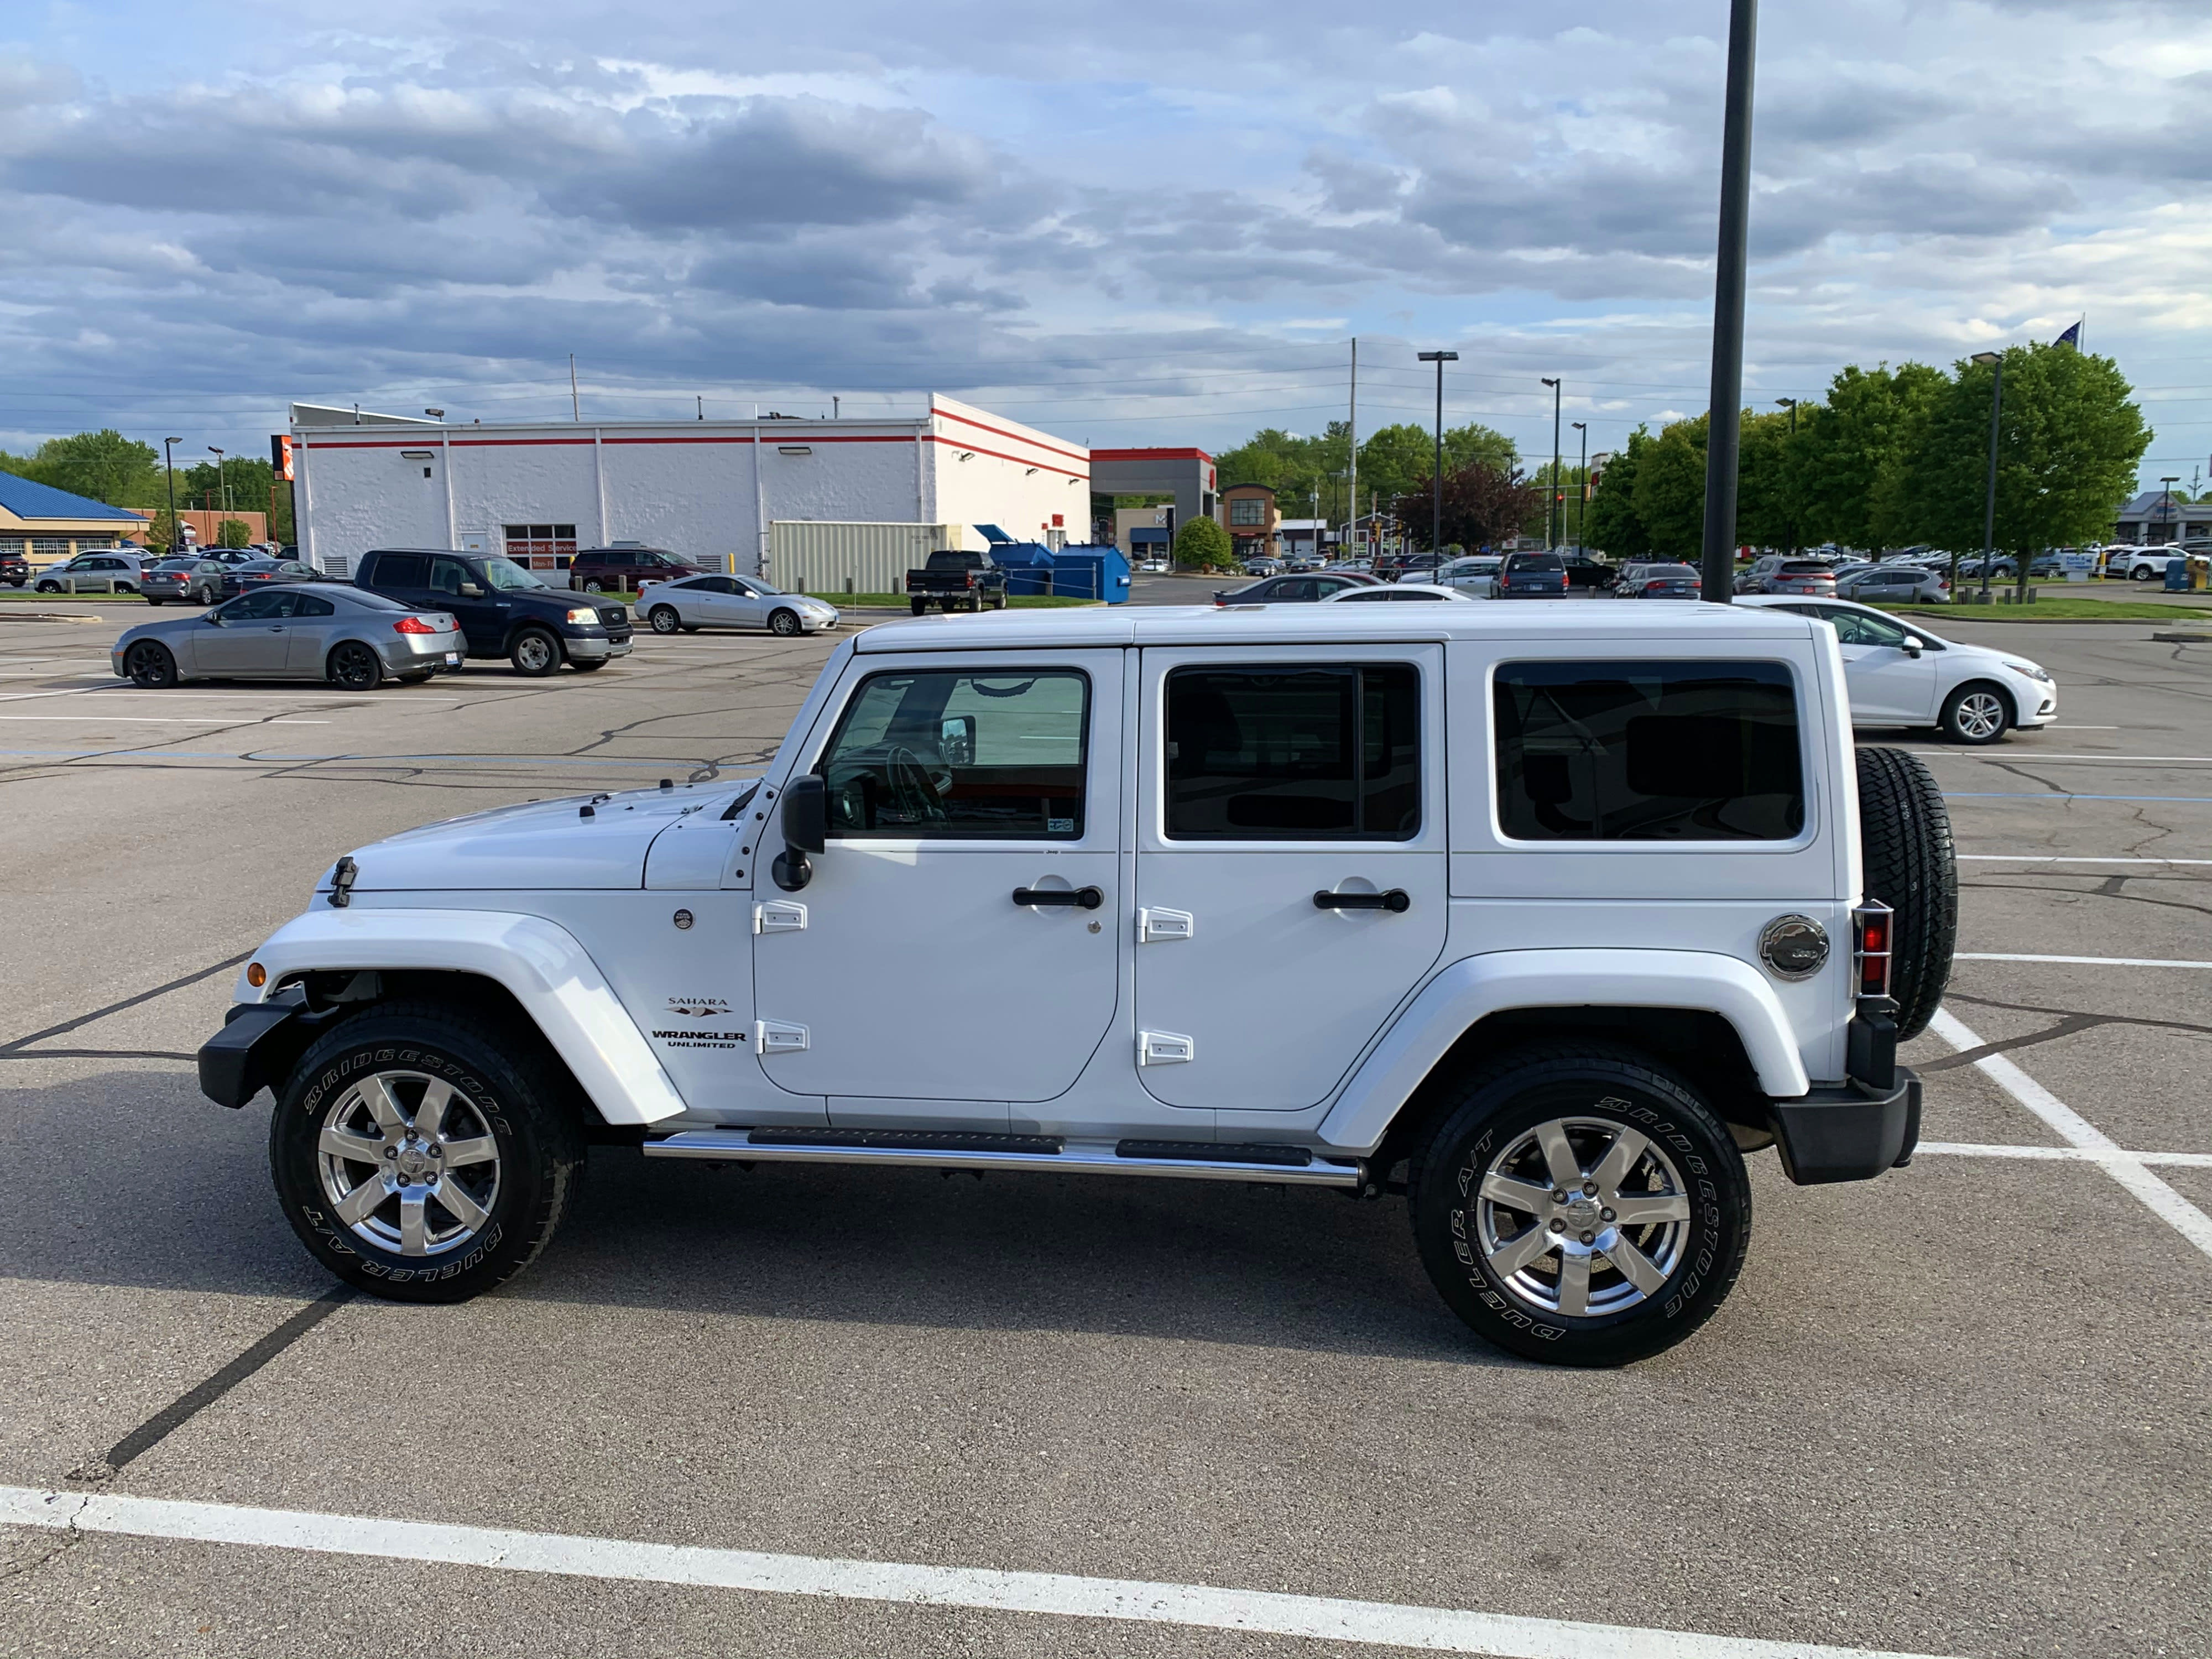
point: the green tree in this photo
(1201, 543)
(233, 532)
(2068, 444)
(105, 465)
(1844, 465)
(162, 532)
(1613, 524)
(1768, 487)
(1670, 490)
(1483, 504)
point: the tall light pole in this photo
(221, 501)
(1996, 362)
(1437, 485)
(169, 455)
(2166, 505)
(1582, 484)
(1790, 403)
(1551, 501)
(1724, 436)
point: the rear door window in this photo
(1299, 752)
(1656, 752)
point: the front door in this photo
(1291, 865)
(1887, 684)
(254, 636)
(315, 627)
(483, 612)
(954, 949)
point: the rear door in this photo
(1291, 865)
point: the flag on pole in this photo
(2072, 336)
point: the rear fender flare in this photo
(540, 964)
(1476, 988)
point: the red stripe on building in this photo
(1000, 455)
(1072, 454)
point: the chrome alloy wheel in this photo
(1980, 715)
(409, 1163)
(1581, 1217)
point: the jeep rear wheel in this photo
(422, 1155)
(1907, 861)
(1580, 1205)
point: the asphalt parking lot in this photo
(1959, 1410)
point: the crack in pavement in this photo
(9, 1050)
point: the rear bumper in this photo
(1853, 1133)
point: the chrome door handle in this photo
(1087, 899)
(1395, 901)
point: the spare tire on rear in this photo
(1909, 864)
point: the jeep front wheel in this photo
(422, 1155)
(1580, 1207)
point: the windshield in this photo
(760, 587)
(508, 576)
(1521, 562)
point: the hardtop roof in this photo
(1613, 624)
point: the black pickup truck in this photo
(957, 581)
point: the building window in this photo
(1247, 509)
(541, 546)
(11, 545)
(49, 547)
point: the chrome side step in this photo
(951, 1149)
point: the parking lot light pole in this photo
(1790, 403)
(1724, 448)
(1996, 362)
(221, 504)
(169, 454)
(1437, 485)
(1582, 484)
(1551, 497)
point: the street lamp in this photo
(435, 414)
(1436, 489)
(2165, 506)
(221, 503)
(1551, 506)
(1790, 403)
(169, 454)
(1996, 362)
(1582, 488)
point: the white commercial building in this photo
(707, 490)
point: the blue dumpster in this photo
(1028, 566)
(2176, 575)
(1091, 572)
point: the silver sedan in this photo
(696, 602)
(346, 636)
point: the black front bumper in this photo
(1849, 1133)
(256, 1048)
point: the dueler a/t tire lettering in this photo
(1494, 1107)
(509, 1085)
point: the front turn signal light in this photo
(256, 974)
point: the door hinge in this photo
(1157, 925)
(776, 1036)
(779, 916)
(1164, 1048)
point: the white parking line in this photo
(2125, 1167)
(1323, 1619)
(2037, 760)
(160, 720)
(2063, 1154)
(2053, 858)
(2082, 961)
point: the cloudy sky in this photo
(1142, 223)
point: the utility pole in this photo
(1436, 489)
(1582, 484)
(1552, 499)
(1351, 491)
(1724, 440)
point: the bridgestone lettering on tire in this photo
(1580, 1205)
(424, 1155)
(1909, 864)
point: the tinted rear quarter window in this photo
(1648, 751)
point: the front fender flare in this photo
(540, 963)
(1477, 987)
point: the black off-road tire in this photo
(1909, 863)
(1497, 1105)
(511, 1084)
(919, 607)
(150, 663)
(535, 654)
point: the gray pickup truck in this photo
(957, 581)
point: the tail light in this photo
(414, 625)
(1872, 925)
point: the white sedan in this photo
(696, 602)
(1898, 673)
(1394, 591)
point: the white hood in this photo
(538, 844)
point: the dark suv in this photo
(504, 610)
(626, 569)
(15, 569)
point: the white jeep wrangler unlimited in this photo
(1560, 910)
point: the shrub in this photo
(1203, 544)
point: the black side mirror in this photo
(805, 829)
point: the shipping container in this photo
(834, 557)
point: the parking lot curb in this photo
(7, 615)
(2183, 639)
